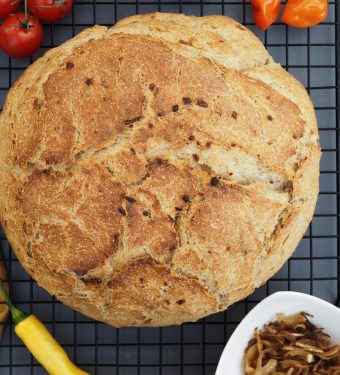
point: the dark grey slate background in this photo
(193, 349)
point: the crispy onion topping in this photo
(291, 345)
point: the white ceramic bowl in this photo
(325, 315)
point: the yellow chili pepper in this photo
(3, 307)
(40, 342)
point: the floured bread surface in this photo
(158, 171)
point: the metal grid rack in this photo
(312, 56)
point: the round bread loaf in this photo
(158, 171)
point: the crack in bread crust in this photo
(151, 179)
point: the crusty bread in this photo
(158, 171)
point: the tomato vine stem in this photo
(26, 16)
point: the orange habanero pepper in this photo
(265, 12)
(304, 13)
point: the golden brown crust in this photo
(157, 171)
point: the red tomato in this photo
(49, 10)
(8, 6)
(19, 38)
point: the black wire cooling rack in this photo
(312, 56)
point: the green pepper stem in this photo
(17, 314)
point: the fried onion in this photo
(291, 345)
